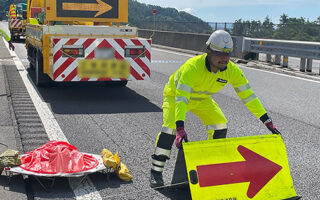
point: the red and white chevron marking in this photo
(65, 68)
(16, 23)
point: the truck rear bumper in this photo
(65, 67)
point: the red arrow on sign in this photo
(255, 169)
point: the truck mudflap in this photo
(70, 53)
(15, 23)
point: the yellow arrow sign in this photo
(244, 168)
(100, 6)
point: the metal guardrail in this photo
(243, 46)
(306, 51)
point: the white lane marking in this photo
(290, 76)
(84, 191)
(168, 51)
(189, 55)
(168, 61)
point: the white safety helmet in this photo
(220, 40)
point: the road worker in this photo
(7, 38)
(190, 89)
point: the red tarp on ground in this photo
(57, 157)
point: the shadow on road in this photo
(177, 193)
(14, 185)
(20, 40)
(93, 98)
(114, 183)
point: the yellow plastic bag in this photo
(9, 158)
(1, 167)
(113, 161)
(110, 160)
(123, 173)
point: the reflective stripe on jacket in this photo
(194, 82)
(3, 34)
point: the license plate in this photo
(103, 68)
(104, 53)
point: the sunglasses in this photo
(219, 53)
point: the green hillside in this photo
(141, 15)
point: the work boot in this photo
(156, 179)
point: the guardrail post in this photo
(268, 58)
(278, 59)
(302, 64)
(285, 61)
(309, 65)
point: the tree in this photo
(267, 28)
(289, 28)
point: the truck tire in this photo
(13, 38)
(31, 58)
(31, 66)
(41, 78)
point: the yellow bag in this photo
(110, 160)
(1, 167)
(113, 161)
(9, 158)
(123, 173)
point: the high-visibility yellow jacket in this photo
(3, 34)
(194, 81)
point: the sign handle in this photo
(193, 177)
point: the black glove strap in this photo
(179, 124)
(264, 118)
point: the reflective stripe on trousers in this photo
(158, 165)
(162, 151)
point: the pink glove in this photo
(271, 127)
(181, 135)
(11, 47)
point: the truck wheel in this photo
(31, 66)
(13, 38)
(41, 78)
(31, 58)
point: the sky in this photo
(231, 10)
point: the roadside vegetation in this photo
(288, 28)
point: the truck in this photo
(77, 41)
(17, 17)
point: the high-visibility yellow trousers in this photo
(206, 109)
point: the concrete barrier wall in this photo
(188, 41)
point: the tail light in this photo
(134, 51)
(72, 51)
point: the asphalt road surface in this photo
(96, 116)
